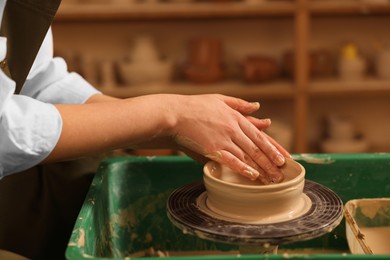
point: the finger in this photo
(231, 161)
(260, 124)
(279, 147)
(246, 158)
(242, 106)
(260, 140)
(272, 174)
(262, 151)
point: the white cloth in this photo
(30, 125)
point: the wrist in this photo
(170, 114)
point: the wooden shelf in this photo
(335, 87)
(347, 7)
(297, 94)
(147, 11)
(274, 90)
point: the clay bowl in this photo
(233, 197)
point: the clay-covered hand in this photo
(219, 128)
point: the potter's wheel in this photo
(323, 216)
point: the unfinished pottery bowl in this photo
(233, 197)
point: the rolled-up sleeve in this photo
(29, 130)
(30, 124)
(49, 79)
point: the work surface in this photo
(124, 213)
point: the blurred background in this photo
(319, 68)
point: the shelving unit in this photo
(275, 90)
(185, 10)
(333, 87)
(336, 7)
(300, 94)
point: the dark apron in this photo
(38, 207)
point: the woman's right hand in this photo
(219, 128)
(213, 127)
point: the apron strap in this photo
(25, 25)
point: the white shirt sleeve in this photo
(49, 81)
(29, 129)
(30, 125)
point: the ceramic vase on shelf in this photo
(352, 66)
(144, 64)
(343, 137)
(204, 64)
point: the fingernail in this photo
(280, 160)
(277, 179)
(251, 173)
(255, 104)
(267, 120)
(264, 181)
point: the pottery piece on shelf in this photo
(144, 64)
(257, 68)
(233, 197)
(320, 63)
(140, 74)
(342, 137)
(352, 66)
(204, 63)
(340, 128)
(382, 64)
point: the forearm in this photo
(97, 98)
(205, 126)
(106, 123)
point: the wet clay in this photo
(291, 170)
(233, 197)
(377, 238)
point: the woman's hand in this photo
(219, 128)
(212, 127)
